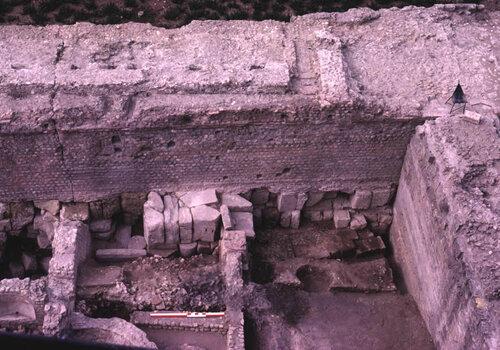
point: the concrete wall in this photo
(320, 103)
(445, 230)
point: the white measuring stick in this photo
(185, 314)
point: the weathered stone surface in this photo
(227, 223)
(445, 230)
(295, 219)
(301, 200)
(287, 202)
(370, 245)
(341, 218)
(154, 227)
(99, 276)
(193, 199)
(109, 330)
(243, 222)
(358, 222)
(137, 242)
(29, 262)
(44, 264)
(4, 209)
(5, 225)
(236, 203)
(185, 225)
(105, 208)
(46, 225)
(117, 255)
(381, 197)
(75, 211)
(285, 219)
(361, 199)
(155, 202)
(22, 214)
(51, 206)
(123, 235)
(205, 223)
(101, 225)
(260, 196)
(187, 249)
(204, 248)
(171, 215)
(313, 198)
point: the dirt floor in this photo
(183, 340)
(175, 13)
(280, 317)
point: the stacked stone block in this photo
(191, 222)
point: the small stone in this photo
(46, 225)
(205, 223)
(137, 242)
(29, 262)
(260, 196)
(287, 202)
(155, 202)
(236, 203)
(51, 206)
(123, 236)
(154, 227)
(314, 198)
(381, 197)
(358, 222)
(75, 211)
(194, 199)
(341, 218)
(316, 216)
(117, 255)
(22, 214)
(370, 245)
(188, 249)
(243, 222)
(361, 199)
(185, 225)
(472, 117)
(295, 219)
(226, 217)
(327, 215)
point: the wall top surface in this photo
(392, 64)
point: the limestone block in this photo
(361, 199)
(46, 225)
(99, 276)
(155, 202)
(187, 249)
(243, 222)
(226, 217)
(295, 219)
(236, 203)
(117, 255)
(171, 215)
(4, 209)
(260, 196)
(185, 225)
(287, 202)
(301, 201)
(103, 229)
(314, 198)
(194, 199)
(137, 242)
(154, 227)
(341, 218)
(471, 117)
(327, 215)
(123, 235)
(370, 245)
(380, 197)
(316, 216)
(22, 214)
(205, 223)
(358, 222)
(75, 211)
(29, 262)
(51, 206)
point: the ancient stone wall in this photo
(91, 111)
(446, 228)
